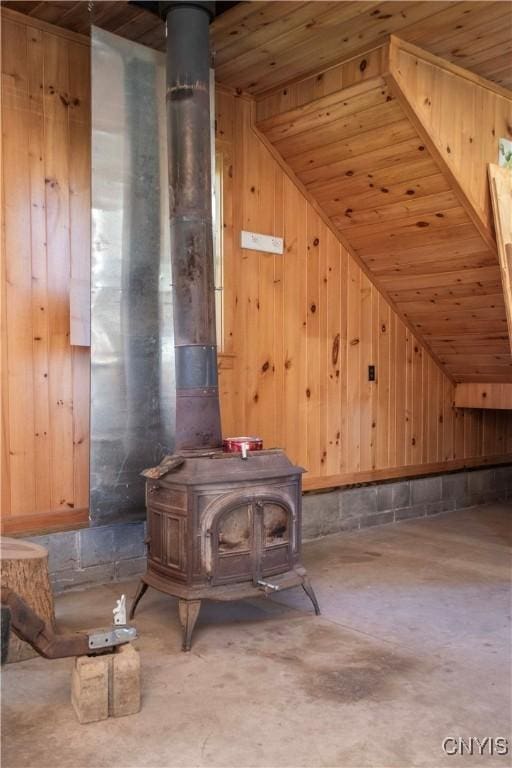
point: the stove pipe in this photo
(190, 207)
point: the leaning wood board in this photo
(500, 180)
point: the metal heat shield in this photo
(132, 344)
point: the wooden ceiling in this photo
(261, 45)
(365, 160)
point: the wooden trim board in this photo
(492, 395)
(396, 473)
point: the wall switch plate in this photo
(267, 243)
(371, 373)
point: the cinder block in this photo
(89, 688)
(393, 495)
(320, 514)
(125, 569)
(409, 513)
(503, 480)
(481, 485)
(425, 490)
(62, 550)
(128, 541)
(96, 545)
(454, 486)
(401, 494)
(109, 685)
(96, 574)
(434, 507)
(358, 502)
(379, 518)
(385, 497)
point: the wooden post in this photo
(24, 569)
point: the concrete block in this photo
(320, 514)
(96, 545)
(481, 485)
(62, 550)
(503, 479)
(125, 569)
(89, 688)
(408, 513)
(454, 486)
(128, 541)
(401, 494)
(358, 502)
(434, 508)
(125, 682)
(384, 497)
(379, 518)
(393, 495)
(425, 490)
(96, 574)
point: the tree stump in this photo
(24, 569)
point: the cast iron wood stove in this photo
(220, 526)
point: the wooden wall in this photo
(46, 214)
(300, 329)
(305, 326)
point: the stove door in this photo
(251, 541)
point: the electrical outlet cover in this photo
(257, 242)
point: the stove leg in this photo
(141, 591)
(308, 589)
(188, 611)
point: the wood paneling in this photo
(367, 160)
(495, 396)
(304, 327)
(46, 210)
(464, 115)
(261, 45)
(299, 330)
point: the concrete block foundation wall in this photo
(117, 552)
(349, 509)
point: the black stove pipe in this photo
(190, 205)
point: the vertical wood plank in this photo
(384, 389)
(18, 271)
(367, 387)
(335, 352)
(60, 378)
(353, 366)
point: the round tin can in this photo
(237, 444)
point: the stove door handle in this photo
(267, 586)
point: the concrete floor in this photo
(413, 646)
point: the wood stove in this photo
(221, 526)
